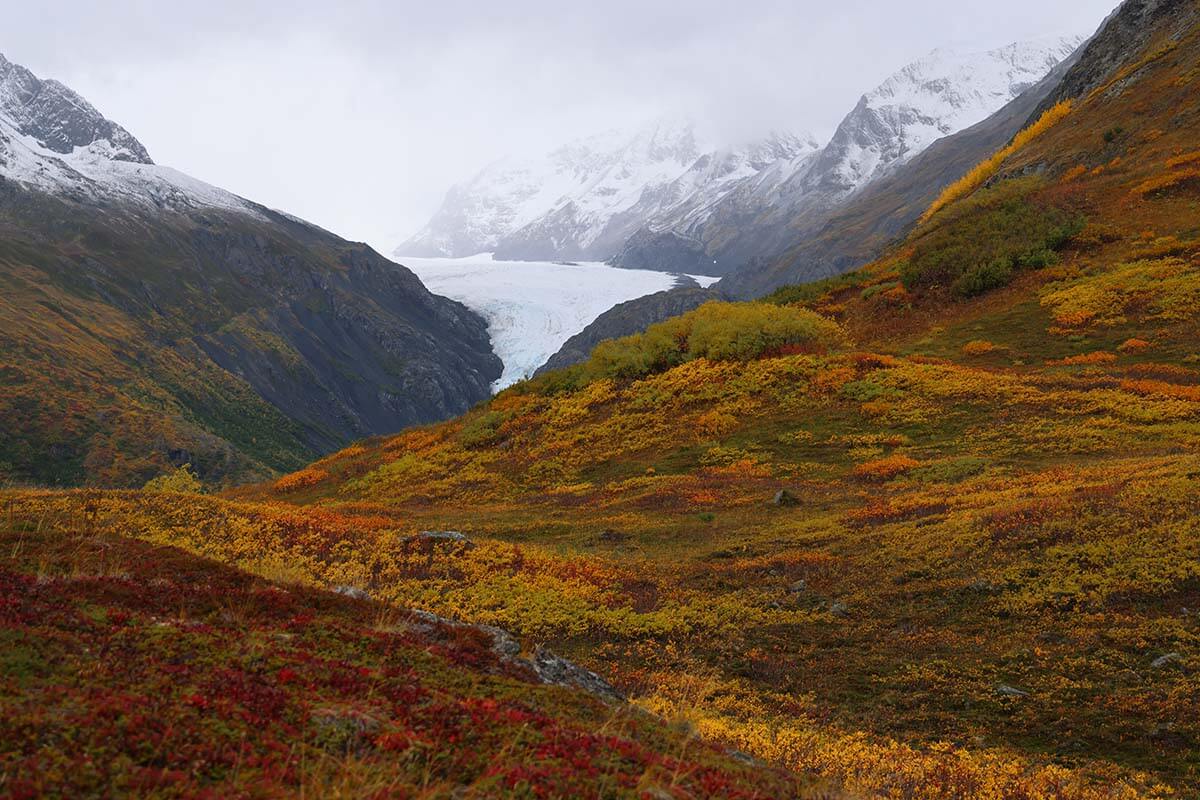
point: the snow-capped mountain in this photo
(232, 312)
(55, 141)
(661, 199)
(583, 200)
(763, 214)
(941, 94)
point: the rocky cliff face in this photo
(1127, 30)
(59, 119)
(172, 321)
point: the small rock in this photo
(504, 644)
(352, 592)
(839, 609)
(560, 672)
(785, 498)
(1010, 691)
(983, 587)
(1166, 661)
(798, 587)
(610, 536)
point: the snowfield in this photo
(533, 307)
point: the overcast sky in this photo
(359, 114)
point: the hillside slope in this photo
(927, 529)
(132, 668)
(148, 319)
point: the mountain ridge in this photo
(692, 207)
(187, 324)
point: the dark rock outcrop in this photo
(1127, 30)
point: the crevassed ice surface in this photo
(533, 307)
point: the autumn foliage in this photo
(987, 169)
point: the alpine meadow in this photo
(892, 493)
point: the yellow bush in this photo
(300, 480)
(978, 347)
(181, 481)
(984, 171)
(716, 331)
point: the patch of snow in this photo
(533, 307)
(96, 172)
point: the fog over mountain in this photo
(358, 115)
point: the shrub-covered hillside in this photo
(925, 531)
(132, 668)
(960, 525)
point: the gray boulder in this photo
(784, 498)
(1166, 661)
(560, 672)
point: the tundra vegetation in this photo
(985, 582)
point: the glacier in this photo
(533, 307)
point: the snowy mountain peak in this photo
(54, 141)
(933, 97)
(581, 200)
(638, 196)
(59, 119)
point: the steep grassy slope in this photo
(129, 668)
(989, 538)
(132, 342)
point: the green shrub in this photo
(482, 430)
(983, 277)
(983, 241)
(717, 331)
(803, 293)
(863, 391)
(951, 471)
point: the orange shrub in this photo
(978, 347)
(1077, 171)
(1133, 345)
(1186, 158)
(1190, 393)
(300, 480)
(885, 469)
(1098, 357)
(1164, 184)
